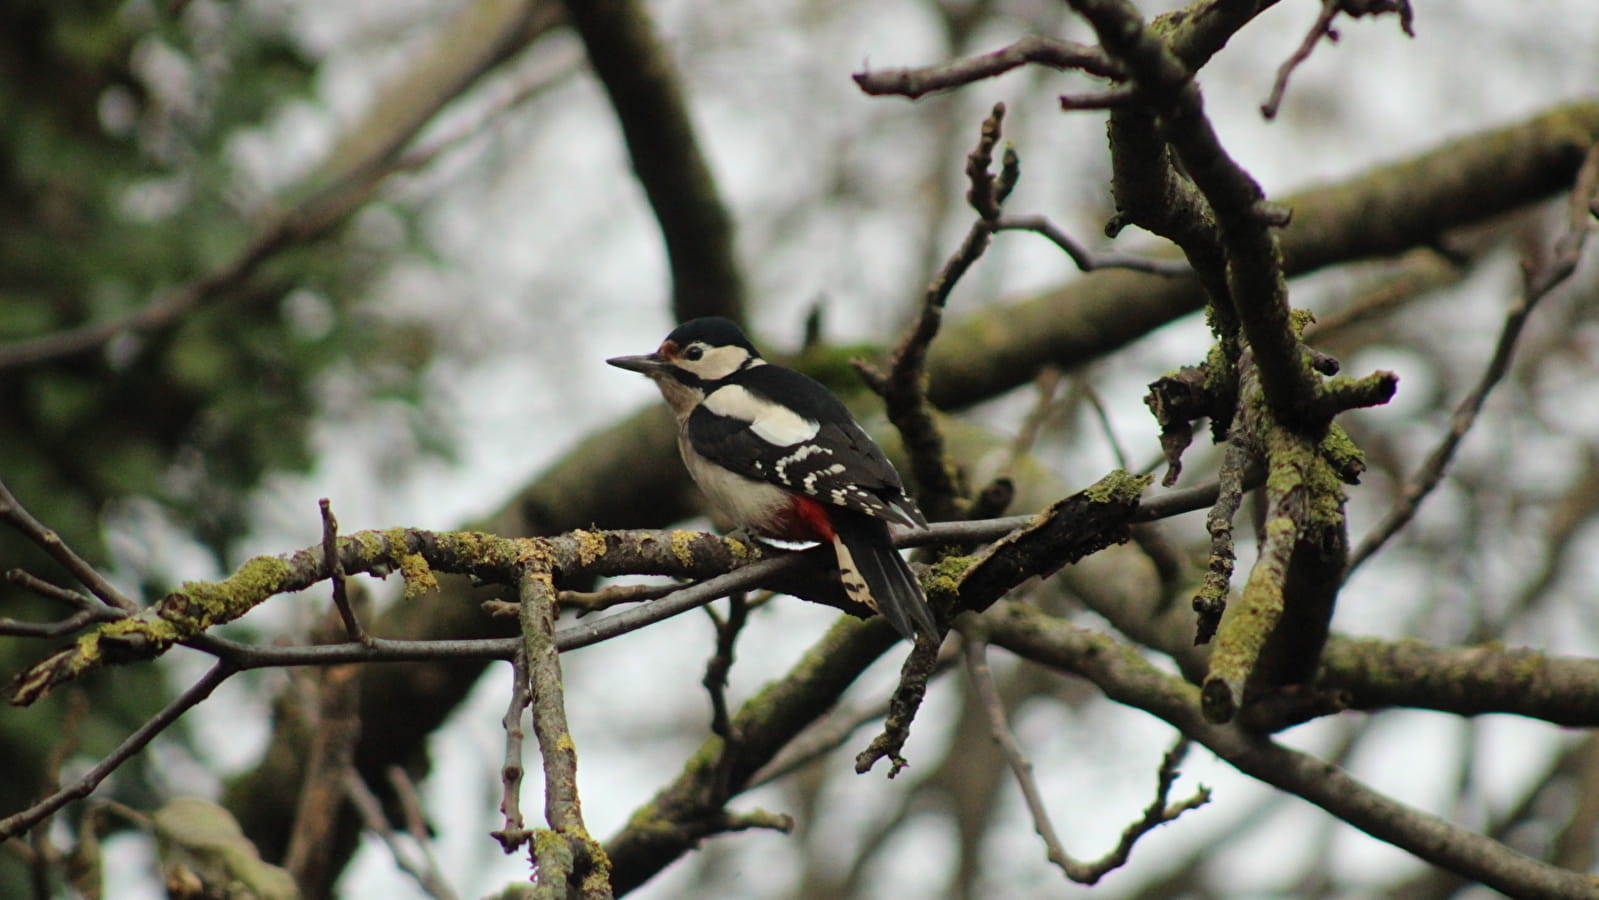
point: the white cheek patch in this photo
(717, 362)
(770, 422)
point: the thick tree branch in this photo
(646, 91)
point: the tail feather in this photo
(875, 574)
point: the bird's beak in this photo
(648, 364)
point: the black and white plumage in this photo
(782, 457)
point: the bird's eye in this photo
(693, 353)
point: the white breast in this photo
(750, 504)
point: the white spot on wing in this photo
(770, 422)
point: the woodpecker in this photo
(778, 454)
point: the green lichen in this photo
(943, 580)
(1293, 464)
(1248, 623)
(1118, 487)
(1341, 452)
(553, 855)
(418, 575)
(1299, 320)
(370, 545)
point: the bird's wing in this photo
(810, 444)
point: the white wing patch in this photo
(770, 422)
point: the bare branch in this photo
(1158, 813)
(1087, 260)
(715, 682)
(515, 832)
(14, 514)
(341, 593)
(1127, 678)
(1538, 281)
(367, 805)
(904, 391)
(907, 699)
(1323, 29)
(1056, 54)
(19, 822)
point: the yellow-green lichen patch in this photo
(683, 546)
(197, 605)
(418, 575)
(590, 546)
(1119, 486)
(535, 554)
(371, 546)
(944, 578)
(742, 552)
(1341, 453)
(159, 631)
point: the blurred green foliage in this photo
(116, 183)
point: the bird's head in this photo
(697, 353)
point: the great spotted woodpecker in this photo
(778, 454)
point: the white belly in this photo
(750, 504)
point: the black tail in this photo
(875, 574)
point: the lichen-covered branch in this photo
(565, 853)
(186, 614)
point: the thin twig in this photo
(427, 874)
(905, 390)
(918, 667)
(61, 627)
(715, 682)
(19, 822)
(976, 655)
(515, 832)
(370, 809)
(1056, 54)
(589, 602)
(341, 592)
(1114, 98)
(1537, 282)
(32, 583)
(1158, 813)
(1322, 28)
(14, 514)
(1097, 404)
(1087, 260)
